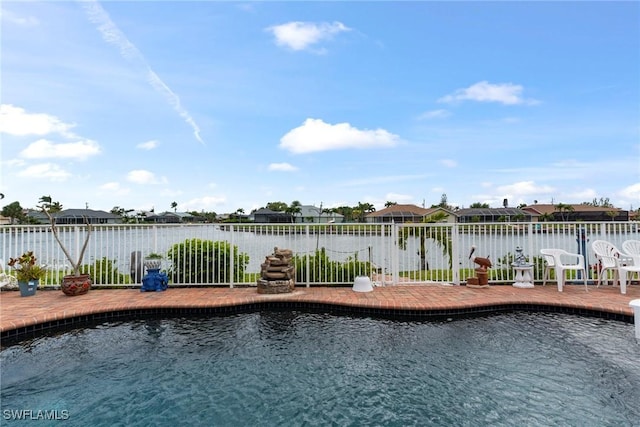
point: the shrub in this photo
(352, 268)
(323, 270)
(103, 272)
(505, 270)
(205, 261)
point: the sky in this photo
(226, 105)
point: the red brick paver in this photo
(18, 312)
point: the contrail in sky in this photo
(112, 34)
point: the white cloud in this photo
(398, 198)
(10, 17)
(48, 171)
(111, 186)
(448, 163)
(16, 121)
(113, 35)
(516, 193)
(282, 167)
(80, 150)
(584, 194)
(114, 188)
(142, 176)
(524, 188)
(148, 145)
(206, 203)
(504, 93)
(316, 135)
(13, 163)
(630, 196)
(434, 114)
(632, 192)
(301, 35)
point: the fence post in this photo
(395, 273)
(232, 254)
(530, 250)
(155, 238)
(387, 251)
(455, 255)
(308, 278)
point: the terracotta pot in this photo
(76, 285)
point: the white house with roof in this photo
(311, 214)
(406, 214)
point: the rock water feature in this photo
(277, 273)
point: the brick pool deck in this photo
(21, 317)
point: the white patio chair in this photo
(550, 264)
(607, 255)
(613, 259)
(6, 279)
(562, 264)
(631, 248)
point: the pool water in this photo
(313, 369)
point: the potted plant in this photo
(76, 283)
(154, 280)
(153, 261)
(28, 273)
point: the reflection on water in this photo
(294, 368)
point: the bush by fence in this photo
(206, 261)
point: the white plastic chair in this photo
(550, 264)
(613, 259)
(5, 278)
(631, 248)
(561, 264)
(608, 256)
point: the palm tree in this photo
(564, 208)
(294, 209)
(46, 202)
(439, 234)
(347, 212)
(55, 207)
(362, 209)
(174, 206)
(545, 217)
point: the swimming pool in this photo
(297, 368)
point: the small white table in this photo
(524, 275)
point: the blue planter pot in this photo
(28, 289)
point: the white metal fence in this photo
(326, 254)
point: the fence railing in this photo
(325, 254)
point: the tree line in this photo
(354, 213)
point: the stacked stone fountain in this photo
(277, 273)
